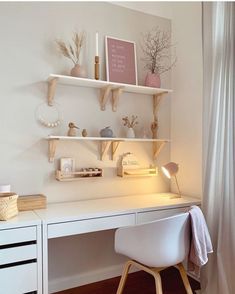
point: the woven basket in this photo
(8, 205)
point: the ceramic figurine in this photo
(72, 132)
(106, 132)
(84, 133)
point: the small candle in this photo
(96, 44)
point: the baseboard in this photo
(86, 278)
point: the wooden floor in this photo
(137, 283)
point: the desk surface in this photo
(23, 219)
(87, 209)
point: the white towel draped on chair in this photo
(200, 244)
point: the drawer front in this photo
(90, 225)
(18, 235)
(148, 216)
(16, 254)
(19, 279)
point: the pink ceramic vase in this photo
(152, 80)
(78, 71)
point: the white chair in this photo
(155, 246)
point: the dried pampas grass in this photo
(72, 51)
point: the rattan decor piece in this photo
(8, 205)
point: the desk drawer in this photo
(148, 216)
(16, 254)
(90, 225)
(18, 279)
(18, 235)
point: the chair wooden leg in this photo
(158, 282)
(124, 277)
(154, 271)
(185, 278)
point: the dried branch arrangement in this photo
(130, 123)
(72, 50)
(156, 45)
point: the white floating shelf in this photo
(114, 139)
(105, 144)
(92, 83)
(105, 88)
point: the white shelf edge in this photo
(68, 80)
(105, 139)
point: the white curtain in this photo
(218, 277)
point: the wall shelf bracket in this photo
(157, 147)
(51, 90)
(104, 94)
(115, 145)
(52, 144)
(115, 97)
(104, 148)
(156, 103)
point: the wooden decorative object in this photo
(129, 167)
(84, 133)
(32, 202)
(77, 175)
(72, 132)
(97, 67)
(154, 128)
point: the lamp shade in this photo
(170, 169)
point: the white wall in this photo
(28, 56)
(186, 103)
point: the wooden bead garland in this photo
(46, 123)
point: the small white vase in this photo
(130, 133)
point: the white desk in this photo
(65, 219)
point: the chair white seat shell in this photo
(154, 246)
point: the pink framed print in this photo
(120, 61)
